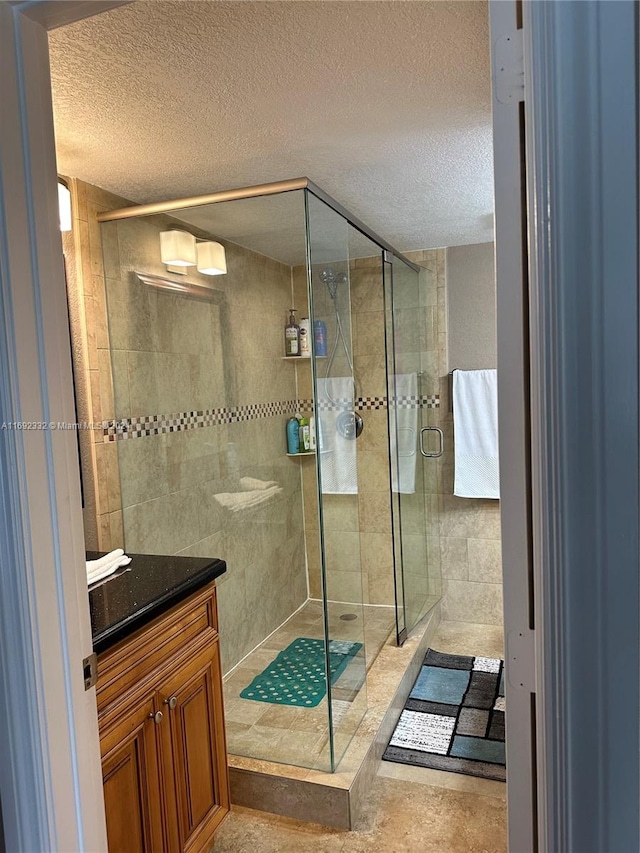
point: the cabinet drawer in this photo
(135, 658)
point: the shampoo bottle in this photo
(320, 337)
(292, 335)
(293, 435)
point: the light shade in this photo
(64, 207)
(178, 248)
(211, 258)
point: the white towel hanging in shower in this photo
(338, 459)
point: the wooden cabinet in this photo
(160, 713)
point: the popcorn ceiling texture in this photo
(386, 105)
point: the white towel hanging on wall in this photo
(475, 426)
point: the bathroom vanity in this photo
(160, 711)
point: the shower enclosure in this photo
(329, 552)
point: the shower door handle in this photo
(432, 454)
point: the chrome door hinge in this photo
(508, 68)
(387, 256)
(90, 670)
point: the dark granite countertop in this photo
(144, 589)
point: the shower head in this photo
(327, 276)
(332, 280)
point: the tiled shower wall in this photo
(462, 535)
(358, 540)
(175, 357)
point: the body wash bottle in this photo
(312, 433)
(292, 335)
(305, 445)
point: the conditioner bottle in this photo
(293, 435)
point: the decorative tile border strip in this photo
(149, 425)
(431, 401)
(179, 422)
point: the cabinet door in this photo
(194, 749)
(130, 777)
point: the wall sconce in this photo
(64, 206)
(211, 258)
(179, 250)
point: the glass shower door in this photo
(415, 441)
(338, 426)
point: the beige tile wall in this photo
(462, 536)
(92, 364)
(358, 535)
(156, 353)
(469, 530)
(157, 494)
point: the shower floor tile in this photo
(300, 736)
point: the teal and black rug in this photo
(454, 717)
(297, 676)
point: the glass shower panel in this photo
(202, 397)
(396, 519)
(338, 425)
(415, 440)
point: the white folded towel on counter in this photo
(251, 484)
(100, 569)
(236, 501)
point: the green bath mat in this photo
(297, 675)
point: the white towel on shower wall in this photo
(404, 433)
(475, 425)
(338, 459)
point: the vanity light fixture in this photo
(179, 250)
(211, 258)
(64, 206)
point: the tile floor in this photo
(408, 809)
(299, 736)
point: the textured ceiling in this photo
(385, 105)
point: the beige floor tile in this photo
(442, 779)
(247, 831)
(401, 817)
(466, 638)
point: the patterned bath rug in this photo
(454, 717)
(297, 675)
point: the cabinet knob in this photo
(157, 717)
(171, 702)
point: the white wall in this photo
(471, 300)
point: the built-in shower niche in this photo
(202, 395)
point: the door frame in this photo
(50, 778)
(568, 374)
(581, 64)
